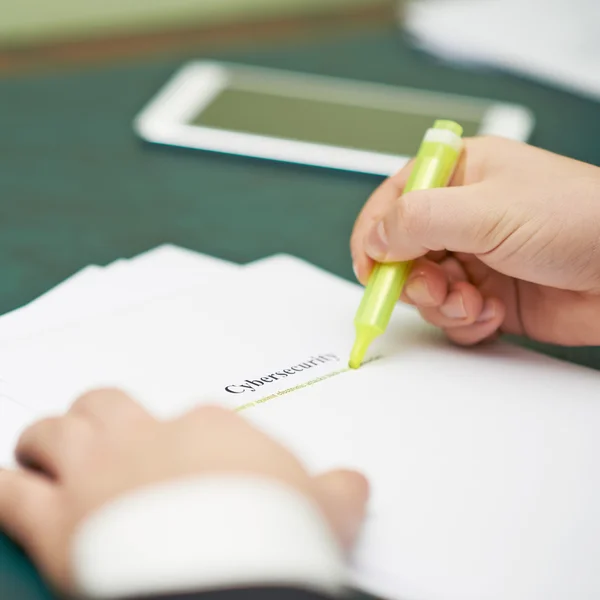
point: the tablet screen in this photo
(392, 126)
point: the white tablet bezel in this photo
(165, 120)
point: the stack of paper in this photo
(482, 462)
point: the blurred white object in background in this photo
(553, 41)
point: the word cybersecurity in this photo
(251, 385)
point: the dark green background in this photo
(76, 187)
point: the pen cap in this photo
(451, 126)
(437, 156)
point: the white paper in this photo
(96, 291)
(34, 313)
(482, 462)
(553, 41)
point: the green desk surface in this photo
(76, 187)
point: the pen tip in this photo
(357, 355)
(364, 337)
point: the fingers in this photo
(427, 284)
(32, 514)
(109, 408)
(343, 495)
(56, 445)
(454, 269)
(445, 298)
(213, 417)
(467, 320)
(462, 306)
(53, 445)
(387, 199)
(485, 328)
(27, 505)
(454, 218)
(375, 208)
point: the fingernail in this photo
(355, 269)
(376, 244)
(488, 312)
(418, 292)
(454, 307)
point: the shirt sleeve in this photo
(204, 535)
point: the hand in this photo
(511, 247)
(107, 445)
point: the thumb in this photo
(343, 497)
(454, 218)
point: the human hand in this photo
(107, 445)
(512, 246)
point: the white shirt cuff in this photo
(203, 534)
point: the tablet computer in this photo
(311, 119)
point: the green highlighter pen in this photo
(434, 165)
